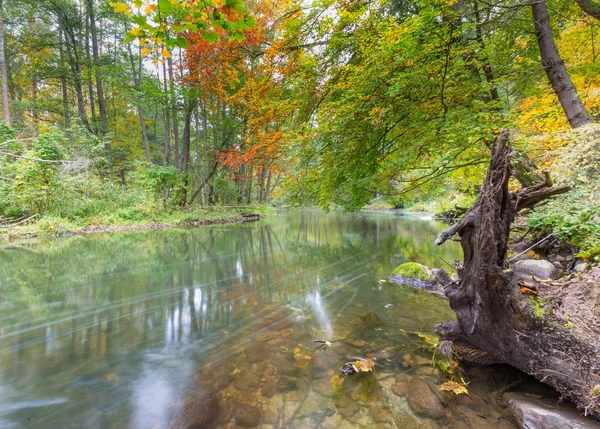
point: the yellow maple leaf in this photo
(165, 53)
(453, 386)
(149, 9)
(145, 52)
(120, 7)
(365, 365)
(135, 31)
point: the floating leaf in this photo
(452, 386)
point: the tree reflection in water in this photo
(108, 330)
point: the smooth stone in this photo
(582, 266)
(247, 416)
(269, 388)
(407, 421)
(198, 412)
(310, 406)
(546, 414)
(284, 366)
(285, 384)
(379, 414)
(423, 400)
(324, 387)
(558, 265)
(270, 415)
(542, 269)
(346, 407)
(321, 363)
(357, 343)
(400, 389)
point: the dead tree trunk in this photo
(495, 320)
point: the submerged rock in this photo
(423, 400)
(542, 269)
(197, 412)
(418, 276)
(546, 414)
(247, 416)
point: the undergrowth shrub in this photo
(575, 216)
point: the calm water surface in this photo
(120, 330)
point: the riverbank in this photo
(48, 226)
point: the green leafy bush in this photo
(575, 216)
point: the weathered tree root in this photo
(496, 322)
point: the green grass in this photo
(50, 225)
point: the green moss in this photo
(538, 305)
(412, 270)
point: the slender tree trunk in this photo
(63, 79)
(137, 77)
(167, 119)
(174, 113)
(3, 73)
(97, 72)
(90, 84)
(75, 64)
(488, 71)
(556, 71)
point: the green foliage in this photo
(163, 183)
(226, 190)
(6, 132)
(575, 217)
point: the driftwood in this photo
(496, 321)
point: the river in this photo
(122, 330)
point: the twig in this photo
(529, 248)
(20, 222)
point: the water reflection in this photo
(109, 330)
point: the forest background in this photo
(144, 111)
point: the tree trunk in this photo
(63, 79)
(495, 319)
(556, 71)
(167, 119)
(3, 73)
(591, 7)
(96, 56)
(174, 113)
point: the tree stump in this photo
(496, 321)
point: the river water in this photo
(216, 325)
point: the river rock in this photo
(247, 416)
(323, 387)
(284, 365)
(400, 389)
(310, 406)
(542, 269)
(407, 421)
(197, 412)
(285, 384)
(418, 276)
(423, 400)
(346, 407)
(582, 266)
(269, 388)
(379, 414)
(546, 414)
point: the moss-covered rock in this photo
(418, 276)
(413, 270)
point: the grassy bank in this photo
(49, 225)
